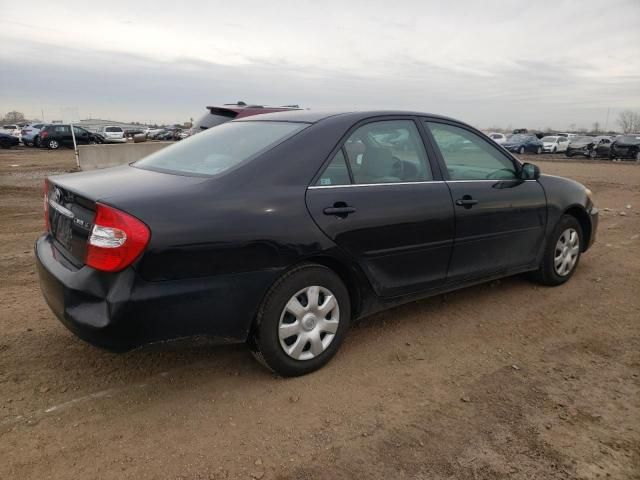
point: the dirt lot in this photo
(505, 380)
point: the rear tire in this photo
(315, 332)
(53, 144)
(521, 150)
(593, 154)
(539, 151)
(562, 253)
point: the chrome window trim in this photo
(318, 187)
(314, 187)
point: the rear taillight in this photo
(116, 240)
(43, 135)
(47, 225)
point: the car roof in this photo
(314, 116)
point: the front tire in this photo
(593, 154)
(539, 151)
(562, 253)
(521, 150)
(302, 321)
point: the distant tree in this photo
(596, 127)
(582, 130)
(13, 117)
(572, 127)
(629, 121)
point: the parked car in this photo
(554, 144)
(59, 135)
(31, 134)
(521, 143)
(8, 141)
(113, 134)
(587, 145)
(601, 147)
(230, 111)
(280, 230)
(12, 129)
(626, 147)
(499, 138)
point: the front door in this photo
(500, 219)
(379, 201)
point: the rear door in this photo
(500, 219)
(383, 202)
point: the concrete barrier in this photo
(92, 157)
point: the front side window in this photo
(387, 151)
(469, 157)
(78, 131)
(219, 149)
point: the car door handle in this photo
(467, 201)
(339, 211)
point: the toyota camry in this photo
(279, 230)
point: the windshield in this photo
(219, 149)
(549, 139)
(629, 139)
(212, 119)
(518, 138)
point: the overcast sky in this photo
(490, 63)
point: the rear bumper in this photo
(115, 140)
(121, 311)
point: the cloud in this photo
(489, 63)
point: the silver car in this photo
(113, 134)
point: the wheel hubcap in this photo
(566, 253)
(308, 323)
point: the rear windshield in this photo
(10, 127)
(213, 119)
(113, 129)
(220, 149)
(629, 139)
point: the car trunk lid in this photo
(71, 201)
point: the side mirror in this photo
(529, 172)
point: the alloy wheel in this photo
(566, 252)
(53, 144)
(309, 322)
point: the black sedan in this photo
(280, 230)
(8, 141)
(521, 143)
(626, 147)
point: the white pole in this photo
(75, 146)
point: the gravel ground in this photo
(503, 380)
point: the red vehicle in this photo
(231, 111)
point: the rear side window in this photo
(336, 172)
(468, 156)
(387, 151)
(220, 149)
(61, 129)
